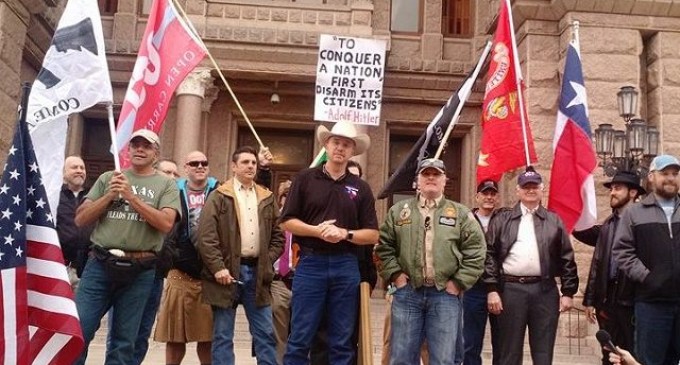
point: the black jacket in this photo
(646, 249)
(75, 241)
(554, 248)
(598, 291)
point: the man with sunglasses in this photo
(431, 249)
(183, 318)
(133, 210)
(528, 247)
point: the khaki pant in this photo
(280, 316)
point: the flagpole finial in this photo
(574, 32)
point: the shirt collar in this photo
(428, 203)
(526, 210)
(240, 187)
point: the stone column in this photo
(76, 129)
(190, 95)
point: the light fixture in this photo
(631, 149)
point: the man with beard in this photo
(609, 293)
(75, 241)
(646, 248)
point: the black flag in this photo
(403, 178)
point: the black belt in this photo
(249, 261)
(522, 279)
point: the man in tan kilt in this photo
(183, 317)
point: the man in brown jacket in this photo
(238, 242)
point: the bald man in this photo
(74, 241)
(183, 318)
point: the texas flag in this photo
(572, 190)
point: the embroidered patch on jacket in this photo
(447, 221)
(404, 215)
(352, 192)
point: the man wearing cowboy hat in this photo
(609, 294)
(328, 210)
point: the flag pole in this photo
(112, 131)
(23, 104)
(219, 71)
(575, 36)
(518, 81)
(467, 91)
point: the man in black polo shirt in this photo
(328, 211)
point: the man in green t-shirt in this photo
(133, 211)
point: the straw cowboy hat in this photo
(345, 130)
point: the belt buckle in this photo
(522, 280)
(429, 282)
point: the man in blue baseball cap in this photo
(646, 250)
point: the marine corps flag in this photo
(507, 142)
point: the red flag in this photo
(168, 52)
(38, 316)
(502, 146)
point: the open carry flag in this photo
(38, 316)
(74, 77)
(572, 189)
(403, 178)
(169, 51)
(507, 142)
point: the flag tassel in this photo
(219, 72)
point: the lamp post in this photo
(631, 149)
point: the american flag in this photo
(38, 315)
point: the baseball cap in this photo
(529, 176)
(660, 162)
(486, 185)
(432, 163)
(147, 135)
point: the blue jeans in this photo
(259, 323)
(324, 285)
(148, 318)
(475, 315)
(424, 314)
(657, 333)
(94, 298)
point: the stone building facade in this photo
(270, 46)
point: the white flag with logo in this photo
(74, 77)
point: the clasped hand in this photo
(329, 232)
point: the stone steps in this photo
(568, 351)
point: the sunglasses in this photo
(198, 163)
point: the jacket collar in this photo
(650, 199)
(227, 188)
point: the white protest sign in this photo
(349, 79)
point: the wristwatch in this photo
(350, 235)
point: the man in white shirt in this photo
(528, 247)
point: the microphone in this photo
(606, 341)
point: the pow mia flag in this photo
(74, 77)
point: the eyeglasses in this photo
(197, 163)
(427, 223)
